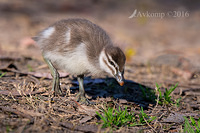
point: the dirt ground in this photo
(164, 51)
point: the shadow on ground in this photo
(108, 87)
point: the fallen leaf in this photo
(87, 110)
(183, 73)
(16, 93)
(36, 74)
(174, 118)
(28, 112)
(27, 42)
(47, 75)
(85, 119)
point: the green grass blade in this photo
(104, 119)
(2, 74)
(193, 122)
(172, 88)
(187, 126)
(198, 123)
(198, 128)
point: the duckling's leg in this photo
(56, 81)
(80, 97)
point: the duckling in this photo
(80, 47)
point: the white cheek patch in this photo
(68, 36)
(115, 64)
(48, 32)
(103, 65)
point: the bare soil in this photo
(164, 51)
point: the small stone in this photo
(122, 101)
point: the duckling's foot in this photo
(56, 81)
(57, 90)
(80, 97)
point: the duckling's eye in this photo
(111, 63)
